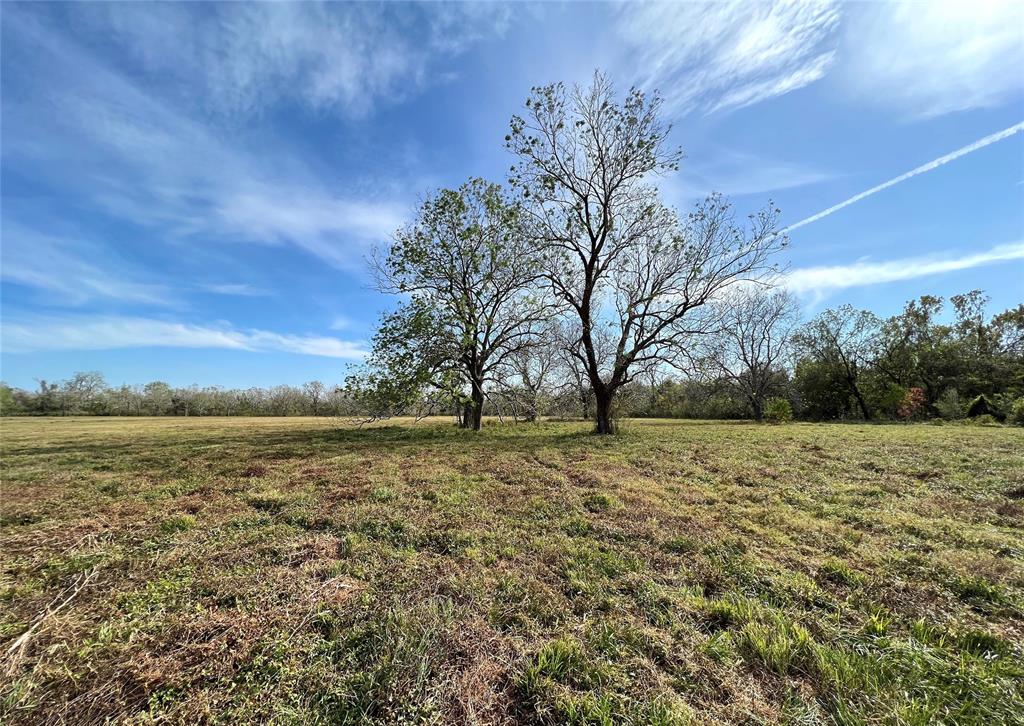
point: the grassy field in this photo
(305, 571)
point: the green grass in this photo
(308, 571)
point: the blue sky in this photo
(189, 191)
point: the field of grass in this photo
(306, 571)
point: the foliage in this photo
(469, 268)
(778, 410)
(949, 405)
(843, 342)
(912, 403)
(980, 406)
(1017, 412)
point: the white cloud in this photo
(235, 288)
(73, 271)
(334, 229)
(345, 57)
(821, 280)
(736, 173)
(934, 164)
(40, 333)
(340, 322)
(151, 162)
(718, 56)
(935, 57)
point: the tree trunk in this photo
(603, 412)
(475, 408)
(861, 403)
(755, 403)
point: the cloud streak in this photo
(820, 280)
(727, 55)
(73, 271)
(82, 332)
(934, 164)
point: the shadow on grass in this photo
(187, 445)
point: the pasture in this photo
(306, 571)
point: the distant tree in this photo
(529, 374)
(619, 259)
(469, 272)
(842, 341)
(8, 402)
(157, 397)
(81, 393)
(315, 392)
(752, 346)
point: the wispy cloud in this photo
(735, 174)
(340, 57)
(340, 322)
(934, 164)
(237, 289)
(39, 333)
(727, 55)
(150, 161)
(821, 280)
(73, 271)
(932, 58)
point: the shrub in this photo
(949, 405)
(1017, 412)
(778, 410)
(980, 406)
(912, 404)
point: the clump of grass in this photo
(600, 502)
(681, 545)
(178, 523)
(977, 590)
(839, 572)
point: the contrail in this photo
(981, 143)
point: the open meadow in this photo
(306, 571)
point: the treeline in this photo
(87, 394)
(933, 360)
(575, 289)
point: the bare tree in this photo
(471, 274)
(530, 370)
(315, 392)
(753, 342)
(620, 260)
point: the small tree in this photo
(315, 392)
(618, 259)
(778, 410)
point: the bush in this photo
(1017, 412)
(981, 406)
(778, 410)
(949, 405)
(912, 404)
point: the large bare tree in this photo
(621, 261)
